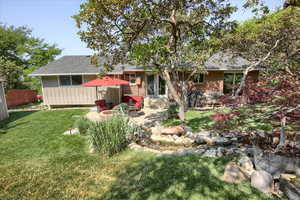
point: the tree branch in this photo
(251, 67)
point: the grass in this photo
(30, 105)
(197, 120)
(200, 120)
(39, 162)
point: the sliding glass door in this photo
(156, 86)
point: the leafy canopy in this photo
(27, 53)
(255, 37)
(160, 33)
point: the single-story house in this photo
(3, 106)
(62, 79)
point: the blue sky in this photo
(51, 20)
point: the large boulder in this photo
(275, 164)
(263, 181)
(233, 173)
(290, 185)
(246, 165)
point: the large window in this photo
(198, 78)
(231, 82)
(70, 80)
(76, 80)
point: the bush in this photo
(123, 108)
(113, 135)
(83, 124)
(172, 112)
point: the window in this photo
(198, 78)
(65, 80)
(70, 80)
(155, 85)
(76, 80)
(231, 81)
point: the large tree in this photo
(271, 41)
(170, 36)
(20, 49)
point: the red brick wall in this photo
(213, 82)
(20, 97)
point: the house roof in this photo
(226, 61)
(78, 65)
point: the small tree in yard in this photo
(166, 35)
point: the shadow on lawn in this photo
(200, 123)
(196, 124)
(178, 177)
(14, 116)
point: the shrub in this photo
(123, 108)
(113, 135)
(83, 125)
(172, 111)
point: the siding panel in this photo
(70, 95)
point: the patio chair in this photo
(136, 101)
(101, 105)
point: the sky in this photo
(51, 20)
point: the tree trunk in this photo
(177, 98)
(243, 81)
(181, 112)
(251, 67)
(282, 135)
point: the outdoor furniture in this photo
(135, 101)
(101, 105)
(106, 81)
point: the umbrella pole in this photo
(97, 93)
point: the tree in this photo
(170, 36)
(18, 46)
(272, 41)
(10, 72)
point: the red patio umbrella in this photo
(105, 81)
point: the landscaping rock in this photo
(165, 139)
(246, 165)
(290, 185)
(183, 141)
(220, 151)
(72, 131)
(188, 129)
(275, 164)
(233, 173)
(173, 130)
(222, 141)
(212, 153)
(212, 141)
(263, 181)
(156, 130)
(200, 140)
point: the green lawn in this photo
(197, 120)
(38, 162)
(200, 120)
